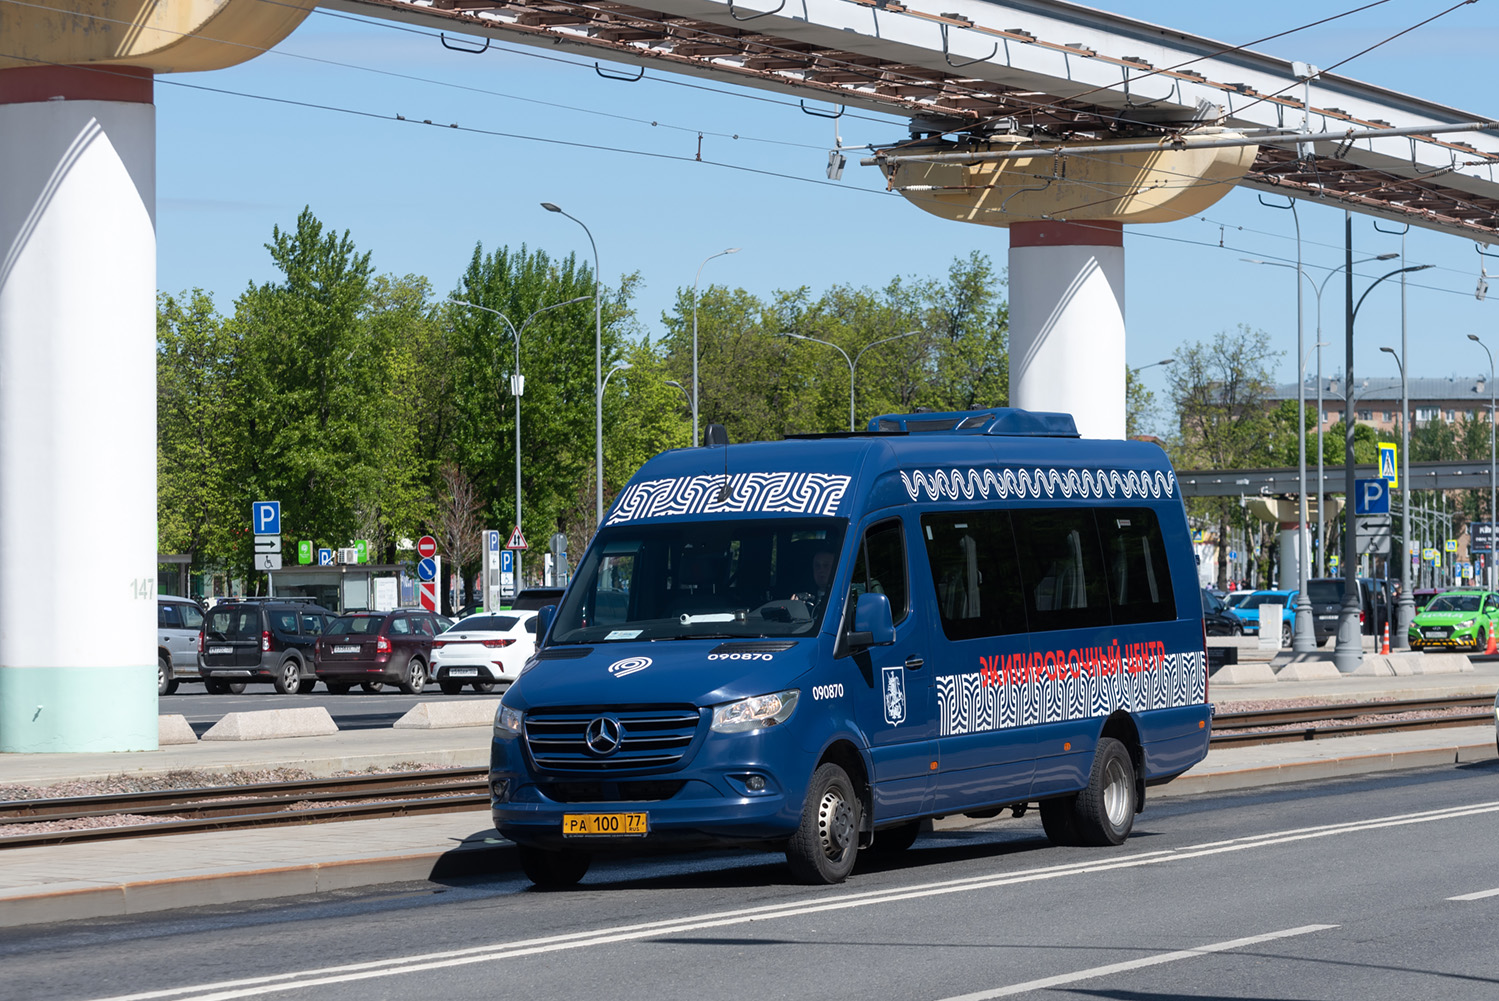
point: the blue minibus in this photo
(821, 643)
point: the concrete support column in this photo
(77, 409)
(1067, 322)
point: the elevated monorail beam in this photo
(1270, 482)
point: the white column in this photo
(77, 410)
(1067, 322)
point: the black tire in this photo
(1480, 641)
(234, 687)
(288, 676)
(164, 683)
(1237, 630)
(450, 687)
(893, 840)
(484, 687)
(1104, 812)
(826, 844)
(416, 677)
(553, 869)
(338, 687)
(372, 686)
(306, 685)
(216, 687)
(1286, 635)
(1058, 820)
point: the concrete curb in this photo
(490, 857)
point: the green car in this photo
(1456, 620)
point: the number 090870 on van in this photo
(819, 643)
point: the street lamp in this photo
(1301, 402)
(721, 253)
(1493, 511)
(598, 367)
(685, 395)
(853, 363)
(517, 389)
(1163, 361)
(1349, 651)
(1406, 608)
(622, 366)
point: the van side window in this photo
(880, 567)
(1062, 569)
(1135, 557)
(974, 569)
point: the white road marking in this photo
(1476, 896)
(269, 984)
(1136, 964)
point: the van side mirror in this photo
(873, 623)
(544, 617)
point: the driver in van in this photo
(823, 563)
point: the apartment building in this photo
(1376, 401)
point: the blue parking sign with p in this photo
(507, 561)
(265, 517)
(1371, 497)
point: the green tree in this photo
(1220, 388)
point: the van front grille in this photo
(649, 739)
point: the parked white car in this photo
(178, 622)
(483, 651)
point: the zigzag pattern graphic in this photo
(972, 703)
(773, 493)
(959, 484)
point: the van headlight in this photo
(755, 713)
(507, 721)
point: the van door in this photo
(893, 683)
(980, 654)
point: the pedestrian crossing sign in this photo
(1389, 469)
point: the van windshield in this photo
(740, 578)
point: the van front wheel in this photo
(826, 844)
(553, 869)
(1104, 812)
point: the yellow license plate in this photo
(582, 825)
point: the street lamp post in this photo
(1349, 652)
(1298, 644)
(1405, 609)
(598, 368)
(1489, 574)
(721, 253)
(853, 363)
(517, 389)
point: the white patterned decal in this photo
(1021, 689)
(772, 493)
(958, 484)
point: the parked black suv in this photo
(1326, 597)
(1217, 620)
(271, 640)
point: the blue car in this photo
(1248, 612)
(815, 645)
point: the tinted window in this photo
(284, 622)
(880, 567)
(976, 574)
(487, 623)
(1062, 569)
(234, 623)
(312, 624)
(1454, 603)
(400, 626)
(1135, 558)
(191, 617)
(531, 625)
(1324, 592)
(167, 617)
(355, 625)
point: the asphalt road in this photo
(358, 710)
(1334, 890)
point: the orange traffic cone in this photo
(1384, 644)
(1492, 647)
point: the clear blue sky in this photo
(420, 197)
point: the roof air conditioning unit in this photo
(350, 555)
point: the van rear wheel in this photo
(553, 869)
(826, 844)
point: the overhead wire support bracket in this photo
(619, 76)
(460, 48)
(947, 55)
(822, 114)
(763, 13)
